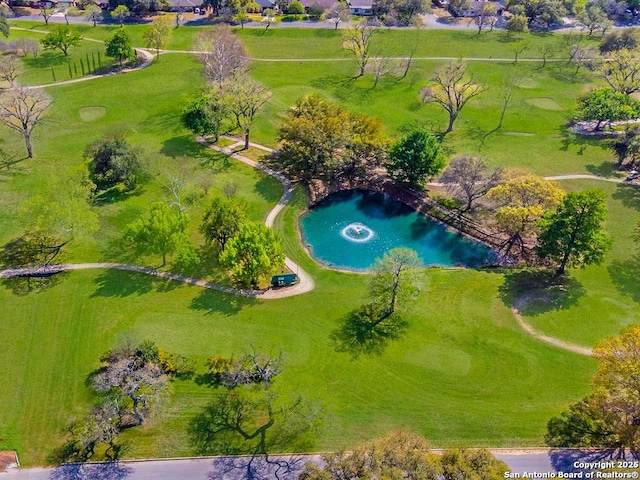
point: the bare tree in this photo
(244, 98)
(28, 46)
(509, 84)
(357, 39)
(519, 48)
(21, 109)
(177, 175)
(250, 368)
(128, 375)
(580, 54)
(451, 90)
(413, 48)
(468, 177)
(339, 13)
(221, 54)
(10, 69)
(380, 67)
(547, 50)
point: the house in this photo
(264, 4)
(476, 6)
(361, 7)
(325, 4)
(62, 4)
(183, 5)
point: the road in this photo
(280, 468)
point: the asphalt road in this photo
(278, 468)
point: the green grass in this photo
(610, 297)
(462, 374)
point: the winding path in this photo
(305, 283)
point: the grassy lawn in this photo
(462, 374)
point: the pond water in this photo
(351, 229)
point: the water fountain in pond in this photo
(357, 232)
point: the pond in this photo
(351, 229)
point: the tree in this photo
(471, 465)
(244, 97)
(357, 40)
(315, 11)
(158, 35)
(615, 41)
(405, 455)
(522, 199)
(47, 13)
(241, 17)
(579, 55)
(222, 221)
(120, 13)
(573, 235)
(380, 67)
(127, 374)
(339, 13)
(451, 90)
(22, 109)
(250, 368)
(295, 8)
(321, 140)
(544, 13)
(61, 37)
(268, 16)
(486, 16)
(206, 114)
(119, 46)
(458, 7)
(469, 178)
(394, 278)
(608, 418)
(253, 253)
(509, 85)
(93, 13)
(397, 455)
(605, 105)
(114, 160)
(10, 69)
(518, 24)
(627, 147)
(621, 70)
(28, 46)
(62, 210)
(415, 157)
(162, 232)
(222, 55)
(594, 18)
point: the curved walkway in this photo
(571, 347)
(305, 283)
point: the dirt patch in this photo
(8, 460)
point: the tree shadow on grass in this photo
(91, 471)
(226, 304)
(605, 169)
(625, 275)
(269, 188)
(25, 285)
(183, 145)
(120, 283)
(535, 292)
(367, 331)
(629, 195)
(257, 467)
(46, 59)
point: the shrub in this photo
(295, 8)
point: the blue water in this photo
(389, 224)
